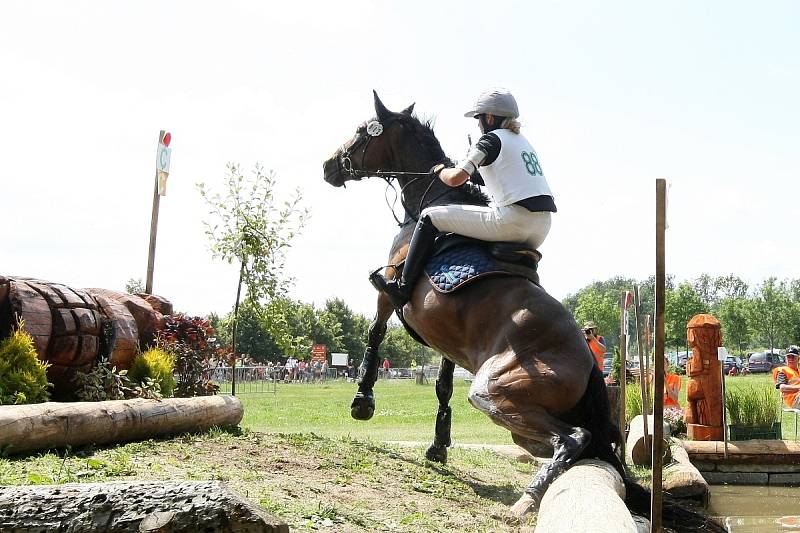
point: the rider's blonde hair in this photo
(511, 124)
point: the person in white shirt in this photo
(521, 206)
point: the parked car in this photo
(730, 362)
(607, 366)
(764, 362)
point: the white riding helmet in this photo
(496, 101)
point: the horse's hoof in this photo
(363, 406)
(437, 454)
(526, 505)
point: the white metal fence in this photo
(264, 379)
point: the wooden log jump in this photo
(27, 428)
(590, 496)
(132, 507)
(681, 478)
(636, 449)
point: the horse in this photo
(534, 372)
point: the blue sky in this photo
(613, 95)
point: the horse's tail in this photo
(605, 434)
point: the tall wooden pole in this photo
(623, 359)
(658, 358)
(644, 375)
(648, 340)
(151, 257)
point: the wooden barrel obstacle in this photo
(72, 328)
(32, 427)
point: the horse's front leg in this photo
(363, 406)
(444, 391)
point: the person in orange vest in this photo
(596, 342)
(672, 388)
(787, 379)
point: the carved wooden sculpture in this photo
(72, 328)
(704, 391)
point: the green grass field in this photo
(405, 411)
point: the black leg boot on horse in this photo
(420, 251)
(363, 406)
(444, 391)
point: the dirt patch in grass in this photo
(311, 482)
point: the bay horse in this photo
(534, 372)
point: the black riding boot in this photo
(419, 252)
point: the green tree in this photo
(732, 314)
(680, 305)
(731, 286)
(251, 227)
(603, 309)
(353, 328)
(253, 337)
(771, 313)
(401, 349)
(134, 286)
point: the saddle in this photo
(459, 261)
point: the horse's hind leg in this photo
(444, 391)
(363, 405)
(507, 399)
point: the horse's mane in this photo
(423, 131)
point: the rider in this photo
(521, 199)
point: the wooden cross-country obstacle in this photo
(33, 427)
(72, 328)
(132, 507)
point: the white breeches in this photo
(511, 223)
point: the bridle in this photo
(345, 163)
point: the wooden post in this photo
(724, 417)
(648, 334)
(623, 357)
(642, 370)
(658, 357)
(151, 256)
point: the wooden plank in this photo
(126, 333)
(34, 310)
(68, 295)
(752, 447)
(63, 322)
(42, 287)
(63, 350)
(89, 348)
(88, 321)
(658, 356)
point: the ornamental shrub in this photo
(157, 364)
(23, 377)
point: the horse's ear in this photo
(408, 110)
(380, 109)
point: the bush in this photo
(192, 341)
(633, 401)
(157, 364)
(101, 383)
(749, 405)
(23, 377)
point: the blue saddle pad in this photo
(458, 266)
